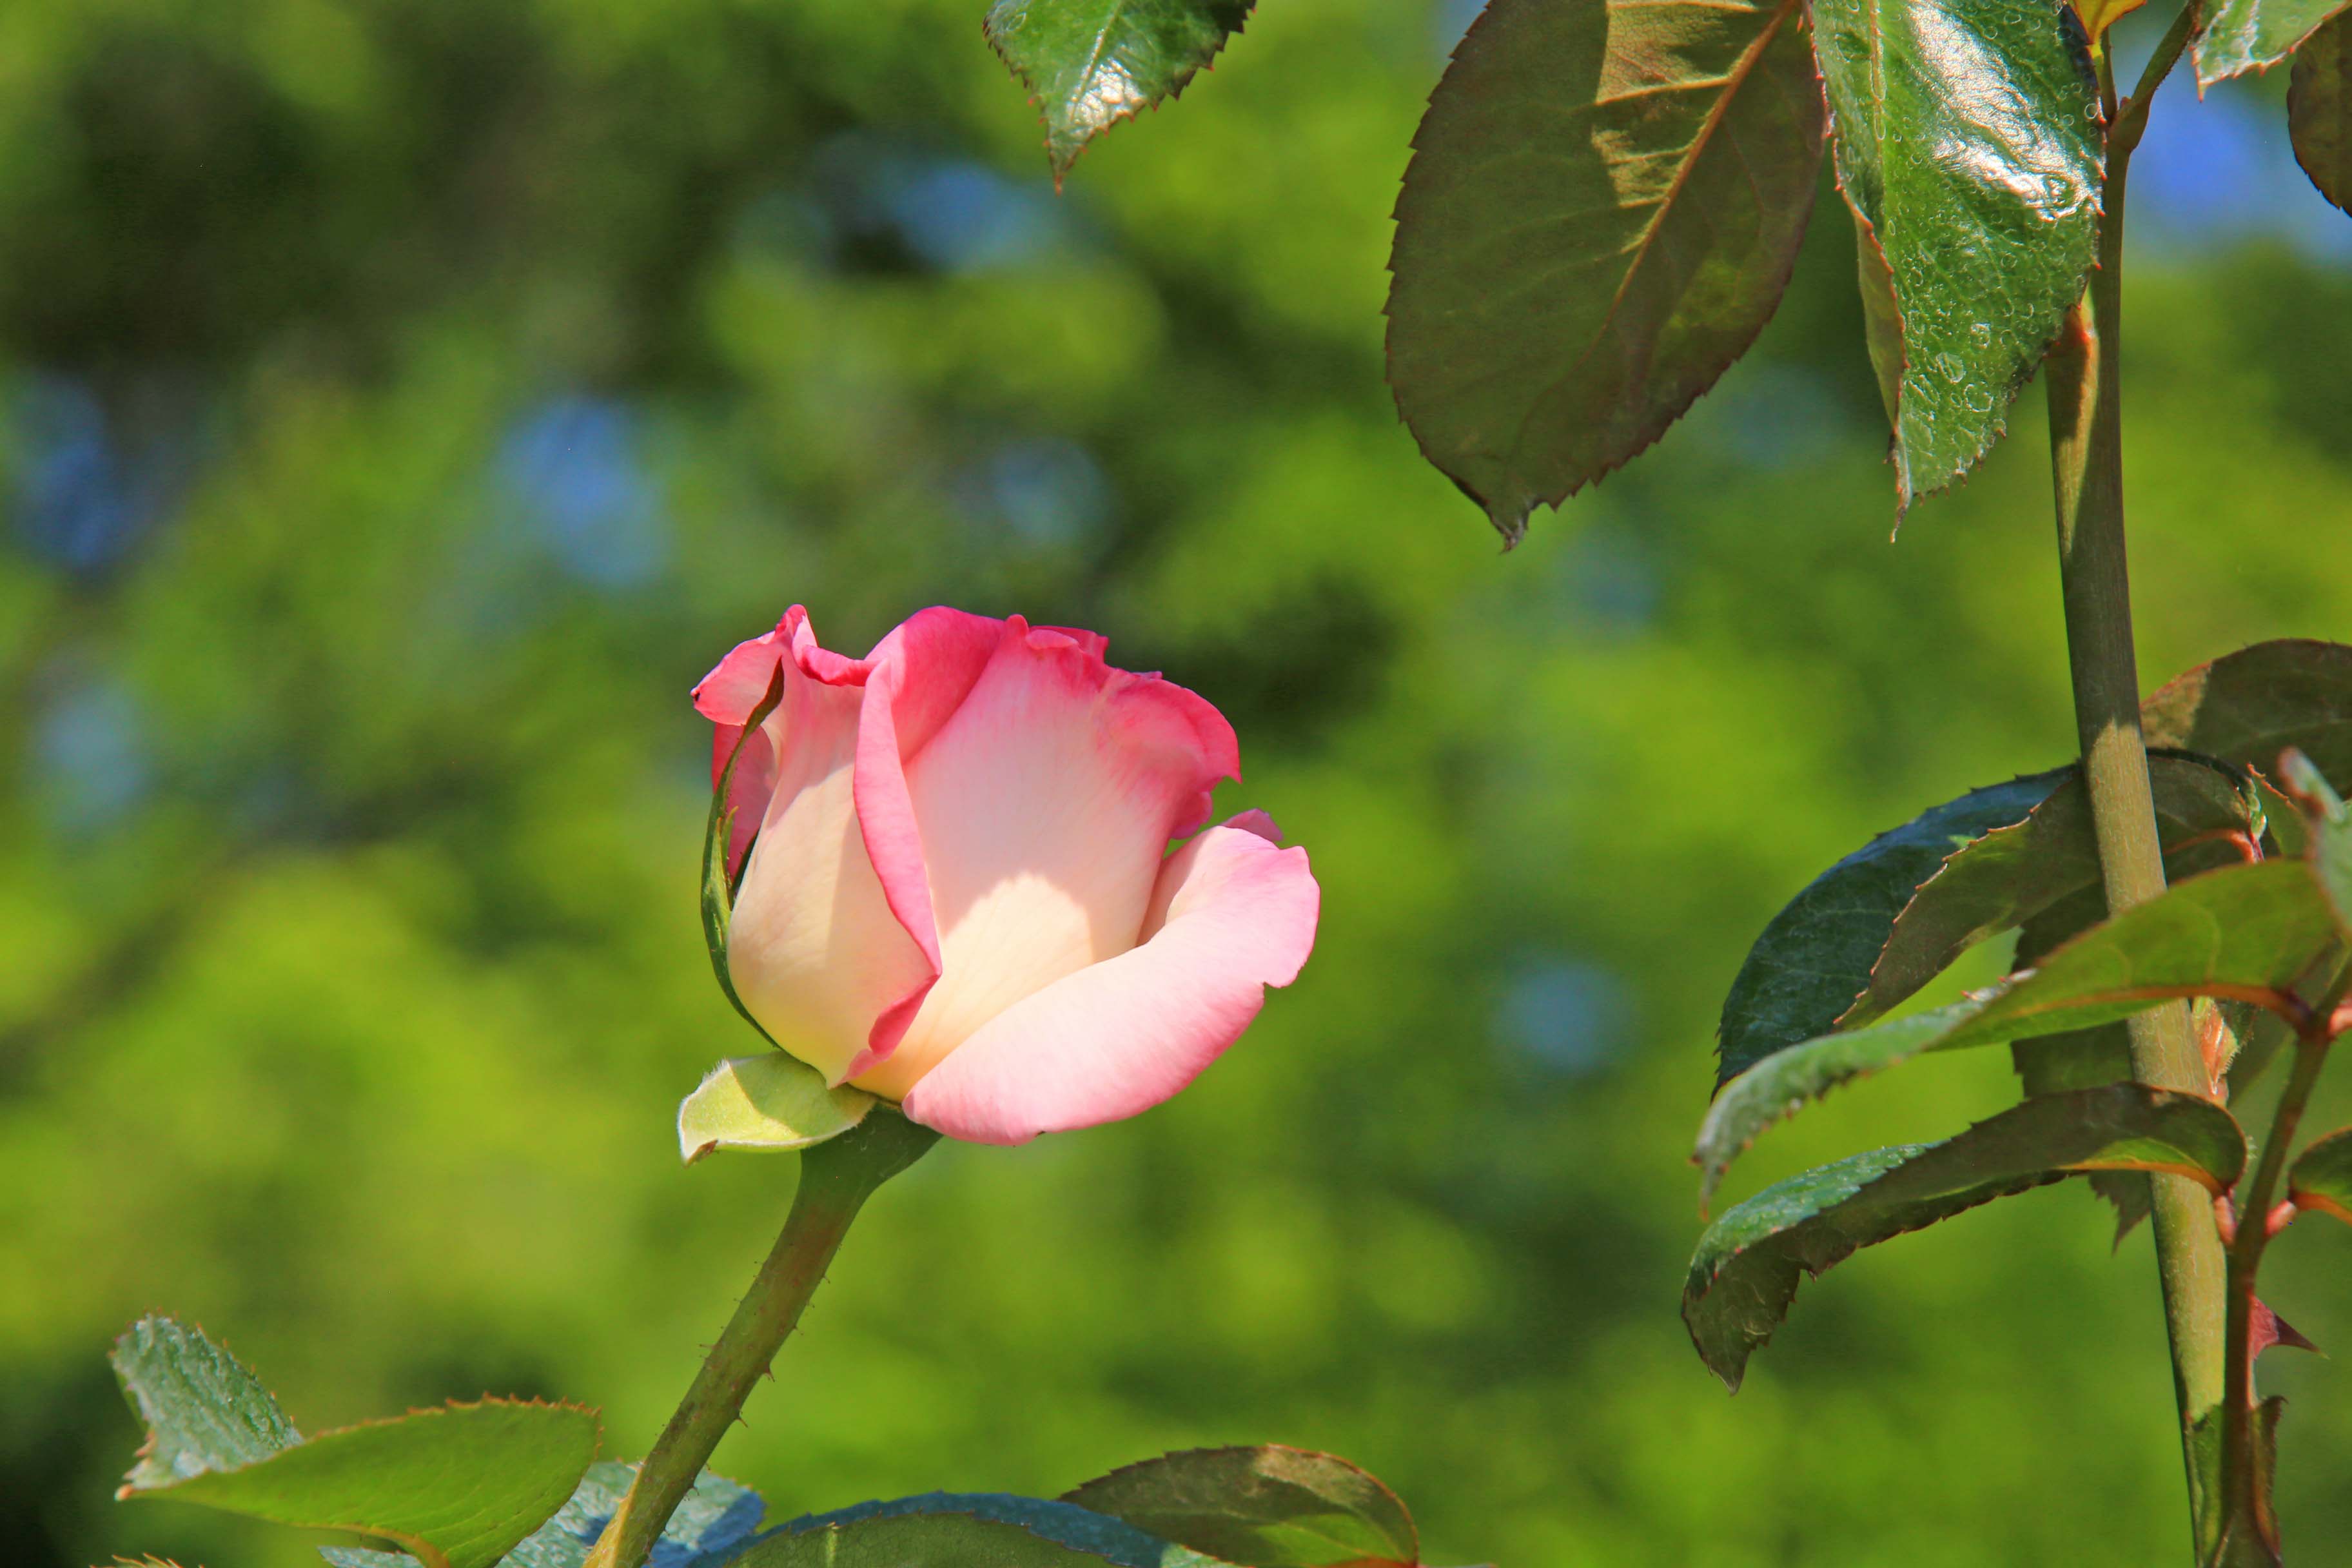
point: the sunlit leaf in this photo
(1089, 64)
(1749, 1262)
(2246, 929)
(2319, 109)
(712, 1521)
(1968, 140)
(1267, 1507)
(1603, 206)
(2249, 706)
(457, 1488)
(2254, 35)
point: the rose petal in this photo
(1120, 1037)
(921, 674)
(1041, 811)
(814, 948)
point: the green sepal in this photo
(771, 1101)
(718, 886)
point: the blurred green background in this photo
(403, 402)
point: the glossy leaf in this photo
(457, 1487)
(1269, 1507)
(2319, 109)
(2246, 929)
(1816, 956)
(2321, 1176)
(1967, 139)
(712, 1521)
(1603, 206)
(2250, 706)
(770, 1102)
(2015, 872)
(2241, 36)
(951, 1529)
(1751, 1261)
(1089, 64)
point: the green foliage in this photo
(1601, 211)
(1749, 1264)
(1269, 1507)
(459, 1486)
(358, 1027)
(2319, 109)
(1818, 956)
(2243, 931)
(1089, 64)
(2321, 1176)
(203, 1409)
(713, 1521)
(2252, 705)
(951, 1531)
(1966, 141)
(2241, 36)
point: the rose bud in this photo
(956, 885)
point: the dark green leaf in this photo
(2250, 706)
(970, 1529)
(2321, 1177)
(457, 1487)
(2319, 110)
(1268, 1507)
(2248, 929)
(2016, 871)
(713, 1521)
(1089, 64)
(1967, 139)
(1749, 1262)
(2241, 36)
(1603, 208)
(1816, 956)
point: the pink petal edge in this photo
(1120, 1037)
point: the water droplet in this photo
(1979, 400)
(2058, 188)
(1982, 333)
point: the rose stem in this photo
(836, 1178)
(2086, 460)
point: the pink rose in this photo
(960, 894)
